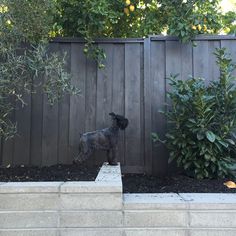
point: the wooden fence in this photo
(132, 84)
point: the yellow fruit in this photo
(127, 2)
(3, 9)
(204, 27)
(194, 27)
(227, 30)
(131, 7)
(230, 184)
(199, 27)
(126, 11)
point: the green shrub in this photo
(202, 123)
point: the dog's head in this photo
(121, 121)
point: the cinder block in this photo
(155, 218)
(215, 219)
(13, 220)
(91, 219)
(91, 232)
(207, 201)
(91, 187)
(109, 173)
(30, 187)
(155, 232)
(91, 201)
(24, 202)
(212, 232)
(153, 201)
(34, 232)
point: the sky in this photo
(228, 5)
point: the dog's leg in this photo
(84, 152)
(109, 157)
(112, 158)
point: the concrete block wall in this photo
(180, 214)
(85, 208)
(98, 208)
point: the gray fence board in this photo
(200, 59)
(22, 141)
(132, 104)
(104, 95)
(118, 95)
(8, 145)
(91, 95)
(213, 70)
(64, 113)
(158, 99)
(50, 128)
(77, 103)
(147, 106)
(36, 124)
(132, 84)
(186, 60)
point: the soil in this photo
(136, 183)
(82, 172)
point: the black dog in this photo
(105, 139)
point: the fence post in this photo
(147, 107)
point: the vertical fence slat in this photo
(8, 145)
(104, 95)
(50, 128)
(77, 103)
(36, 124)
(186, 61)
(118, 96)
(132, 104)
(90, 97)
(63, 113)
(22, 139)
(213, 69)
(147, 106)
(142, 108)
(158, 98)
(173, 66)
(0, 151)
(200, 59)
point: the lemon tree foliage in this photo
(201, 136)
(137, 18)
(229, 22)
(24, 27)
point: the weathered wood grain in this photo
(36, 123)
(22, 141)
(64, 112)
(158, 100)
(118, 92)
(50, 128)
(132, 104)
(104, 95)
(77, 103)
